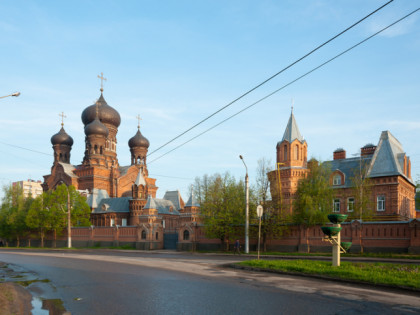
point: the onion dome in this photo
(107, 114)
(96, 128)
(62, 138)
(138, 141)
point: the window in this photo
(350, 204)
(336, 205)
(143, 235)
(112, 222)
(380, 203)
(336, 180)
(186, 235)
(124, 222)
(296, 152)
(285, 154)
(157, 236)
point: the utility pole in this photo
(246, 208)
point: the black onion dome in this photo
(96, 128)
(107, 114)
(62, 138)
(138, 141)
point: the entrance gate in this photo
(170, 240)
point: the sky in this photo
(176, 62)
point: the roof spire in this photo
(62, 118)
(293, 103)
(292, 131)
(102, 81)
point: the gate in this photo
(170, 240)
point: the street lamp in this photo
(16, 94)
(68, 218)
(247, 207)
(259, 214)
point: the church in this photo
(386, 165)
(118, 195)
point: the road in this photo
(133, 282)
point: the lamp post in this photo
(68, 218)
(16, 94)
(246, 207)
(259, 214)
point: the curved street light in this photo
(16, 94)
(247, 208)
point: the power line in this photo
(270, 78)
(284, 86)
(16, 146)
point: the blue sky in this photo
(175, 62)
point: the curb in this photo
(327, 278)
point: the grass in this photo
(375, 273)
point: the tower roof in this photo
(107, 114)
(140, 179)
(192, 201)
(138, 140)
(292, 131)
(388, 158)
(150, 204)
(62, 138)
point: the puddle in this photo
(48, 307)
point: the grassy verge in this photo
(374, 273)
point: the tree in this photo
(362, 190)
(49, 211)
(222, 203)
(313, 197)
(272, 221)
(13, 211)
(417, 194)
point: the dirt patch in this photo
(14, 299)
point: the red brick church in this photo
(119, 195)
(386, 164)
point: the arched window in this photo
(336, 180)
(96, 149)
(143, 235)
(296, 152)
(157, 236)
(102, 150)
(186, 235)
(285, 153)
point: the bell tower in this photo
(291, 165)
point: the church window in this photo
(296, 152)
(285, 153)
(186, 235)
(143, 235)
(336, 180)
(350, 204)
(336, 207)
(380, 203)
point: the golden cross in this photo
(138, 118)
(62, 118)
(102, 81)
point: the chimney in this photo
(339, 154)
(368, 149)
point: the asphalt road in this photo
(132, 282)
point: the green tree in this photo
(222, 205)
(49, 211)
(273, 220)
(13, 212)
(313, 197)
(418, 194)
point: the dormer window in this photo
(336, 180)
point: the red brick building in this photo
(120, 195)
(386, 165)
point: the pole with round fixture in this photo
(246, 207)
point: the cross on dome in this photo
(138, 118)
(62, 118)
(102, 80)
